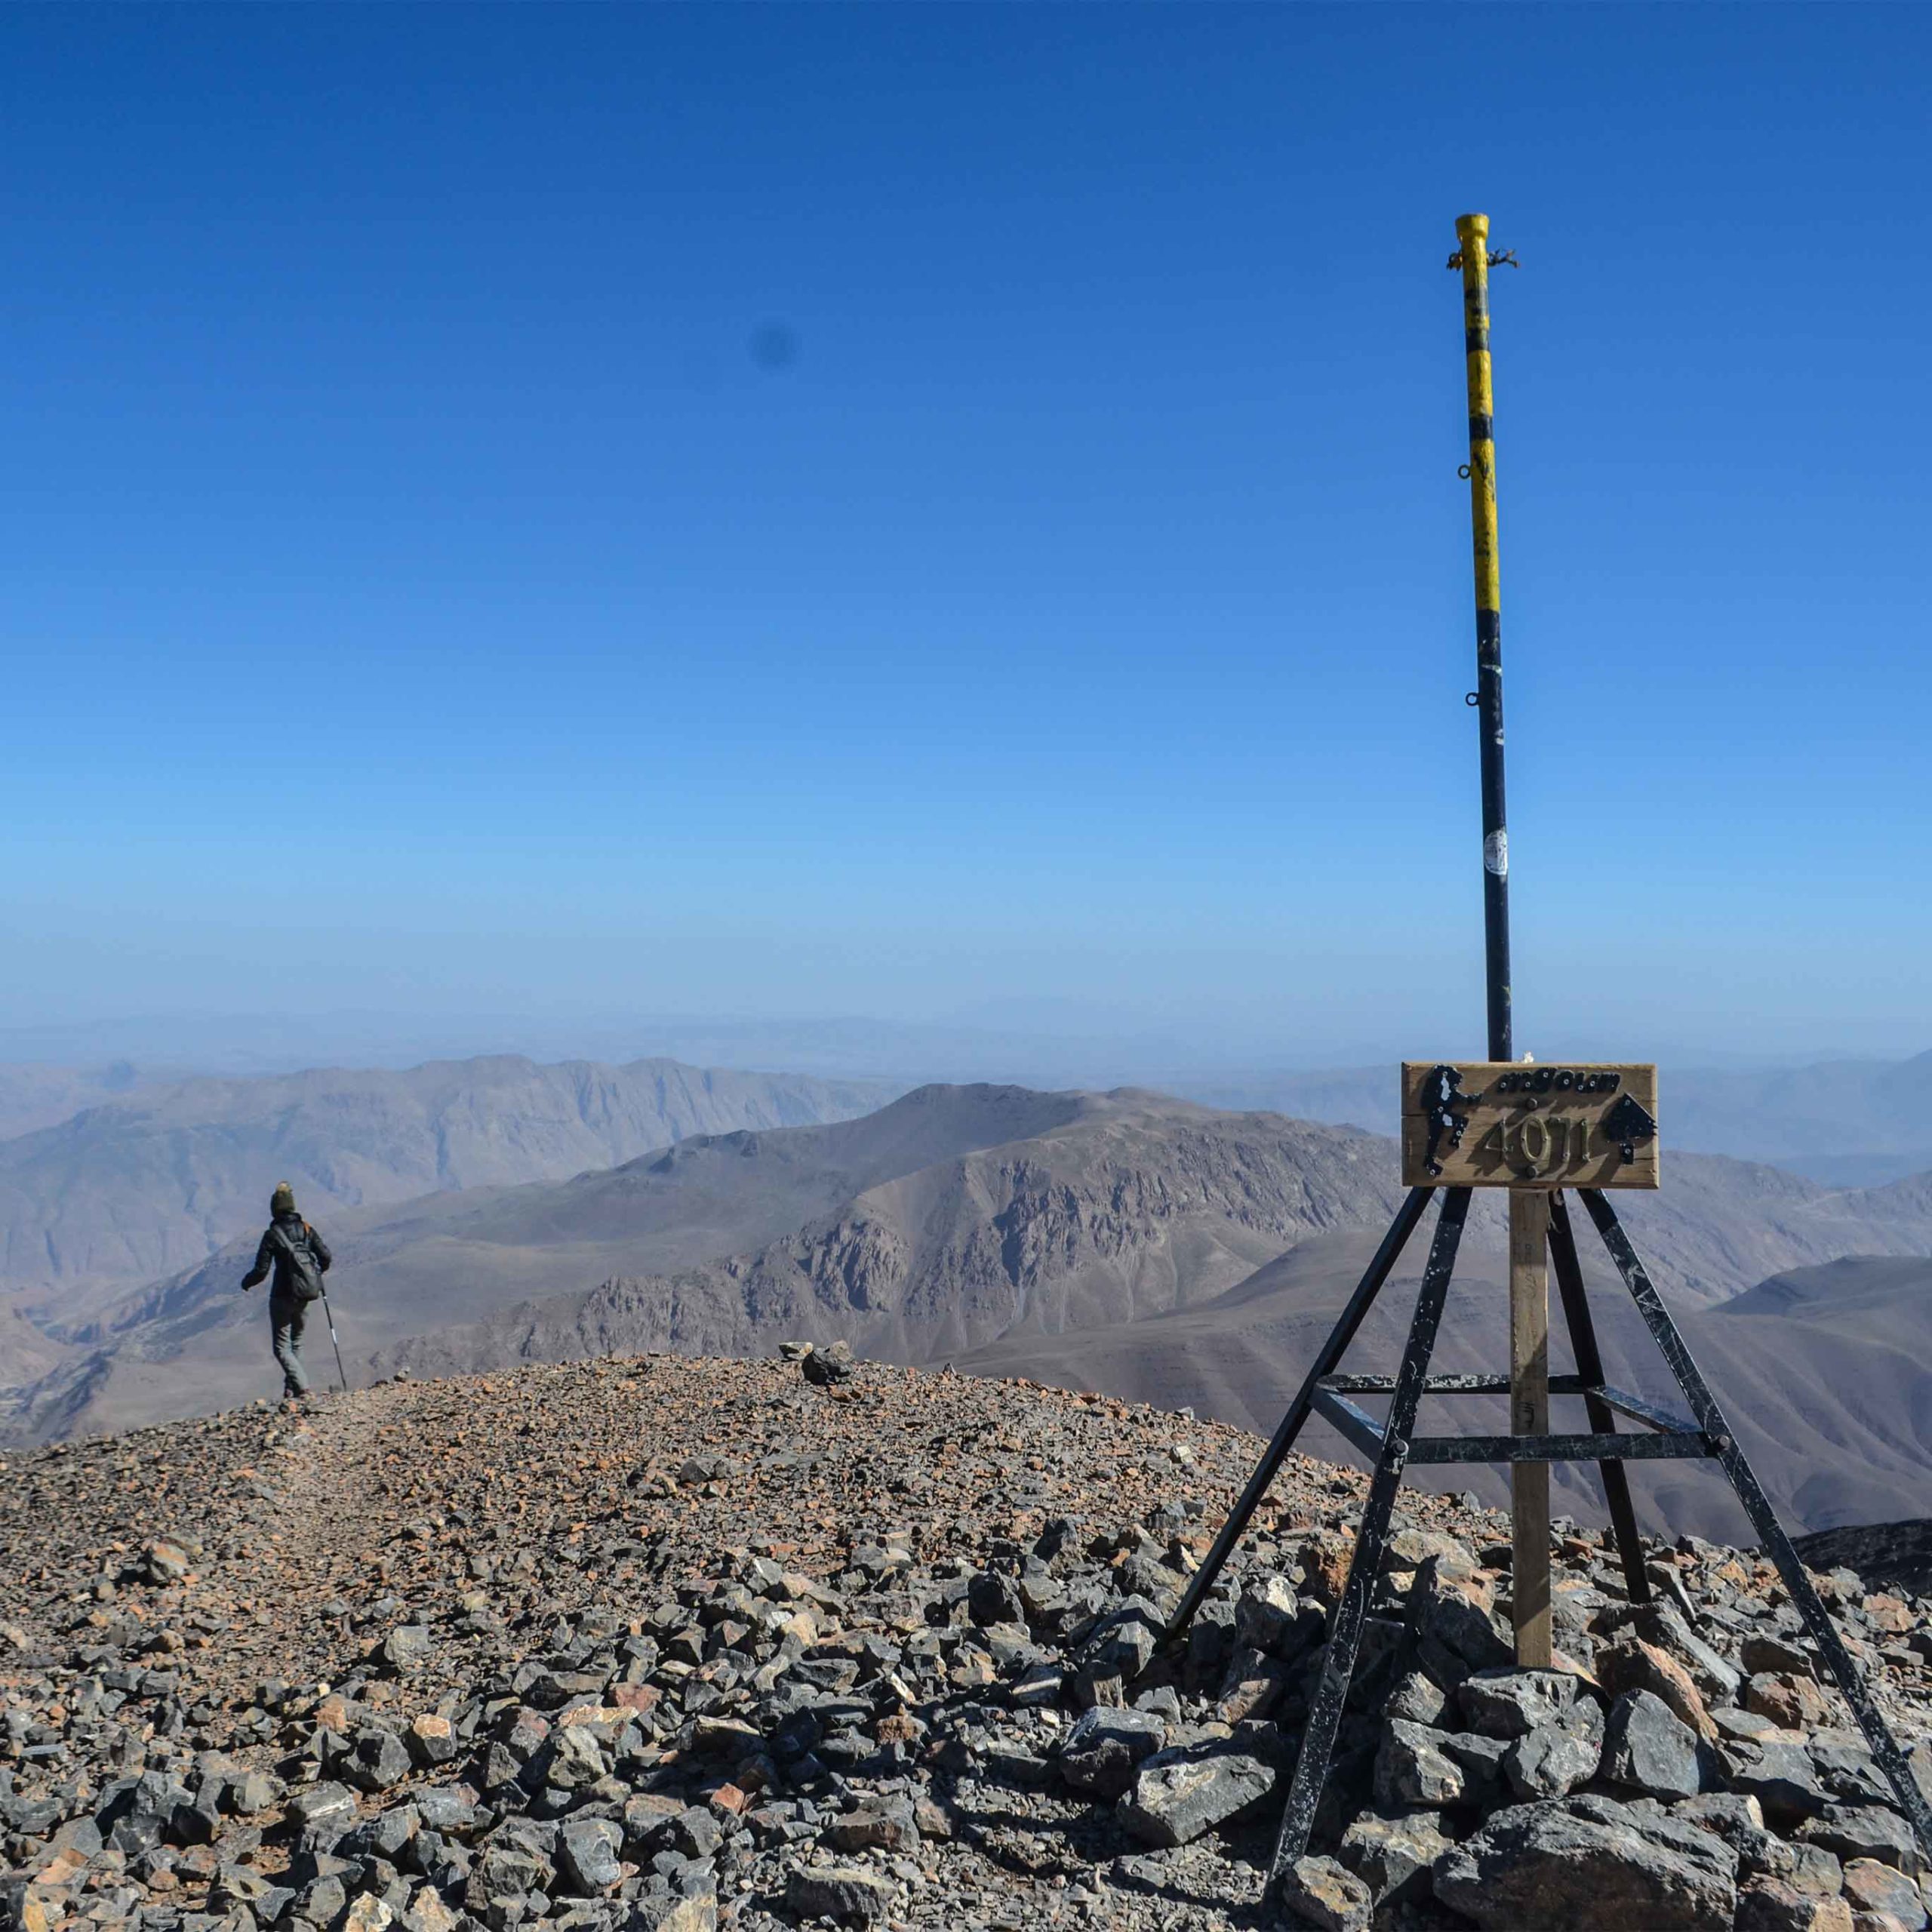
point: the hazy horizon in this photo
(968, 1044)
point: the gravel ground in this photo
(657, 1642)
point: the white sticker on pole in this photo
(1495, 854)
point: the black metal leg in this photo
(1569, 1271)
(1343, 1332)
(1771, 1534)
(1324, 1716)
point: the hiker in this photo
(299, 1257)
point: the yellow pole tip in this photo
(1472, 227)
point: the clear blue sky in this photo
(928, 511)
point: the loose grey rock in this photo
(1393, 1856)
(846, 1893)
(1452, 1608)
(1648, 1748)
(587, 1856)
(1779, 1777)
(1589, 1866)
(1872, 1886)
(1863, 1830)
(1770, 1905)
(1180, 1794)
(1106, 1747)
(407, 1647)
(828, 1366)
(1551, 1762)
(1327, 1895)
(1413, 1768)
(1267, 1615)
(1513, 1703)
(380, 1761)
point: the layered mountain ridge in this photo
(1126, 1242)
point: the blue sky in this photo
(935, 512)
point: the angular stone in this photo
(1589, 1865)
(368, 1913)
(1870, 1886)
(323, 1807)
(1393, 1856)
(879, 1824)
(1551, 1762)
(1325, 1561)
(1795, 1703)
(1123, 1645)
(163, 1561)
(379, 1760)
(848, 1893)
(1267, 1617)
(1416, 1700)
(1452, 1608)
(1413, 1768)
(428, 1911)
(1254, 1685)
(1513, 1703)
(694, 1832)
(587, 1850)
(573, 1759)
(252, 1791)
(510, 1868)
(1485, 1785)
(1863, 1830)
(694, 1915)
(827, 1367)
(1769, 1905)
(1779, 1777)
(323, 1902)
(449, 1810)
(1180, 1794)
(1327, 1895)
(1780, 1656)
(1648, 1749)
(431, 1739)
(993, 1598)
(1105, 1747)
(1850, 1774)
(1630, 1664)
(407, 1647)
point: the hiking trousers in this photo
(286, 1316)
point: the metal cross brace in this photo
(1392, 1446)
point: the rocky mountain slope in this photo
(141, 1185)
(1125, 1241)
(952, 1214)
(1825, 1373)
(666, 1645)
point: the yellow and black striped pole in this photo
(1474, 259)
(1529, 1207)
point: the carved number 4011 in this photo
(1540, 1144)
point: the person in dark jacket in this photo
(299, 1258)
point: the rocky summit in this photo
(656, 1645)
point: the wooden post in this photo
(1529, 1415)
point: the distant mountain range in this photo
(1127, 1241)
(144, 1180)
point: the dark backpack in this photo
(304, 1272)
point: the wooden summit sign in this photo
(1491, 1124)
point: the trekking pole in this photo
(341, 1374)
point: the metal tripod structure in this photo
(1392, 1446)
